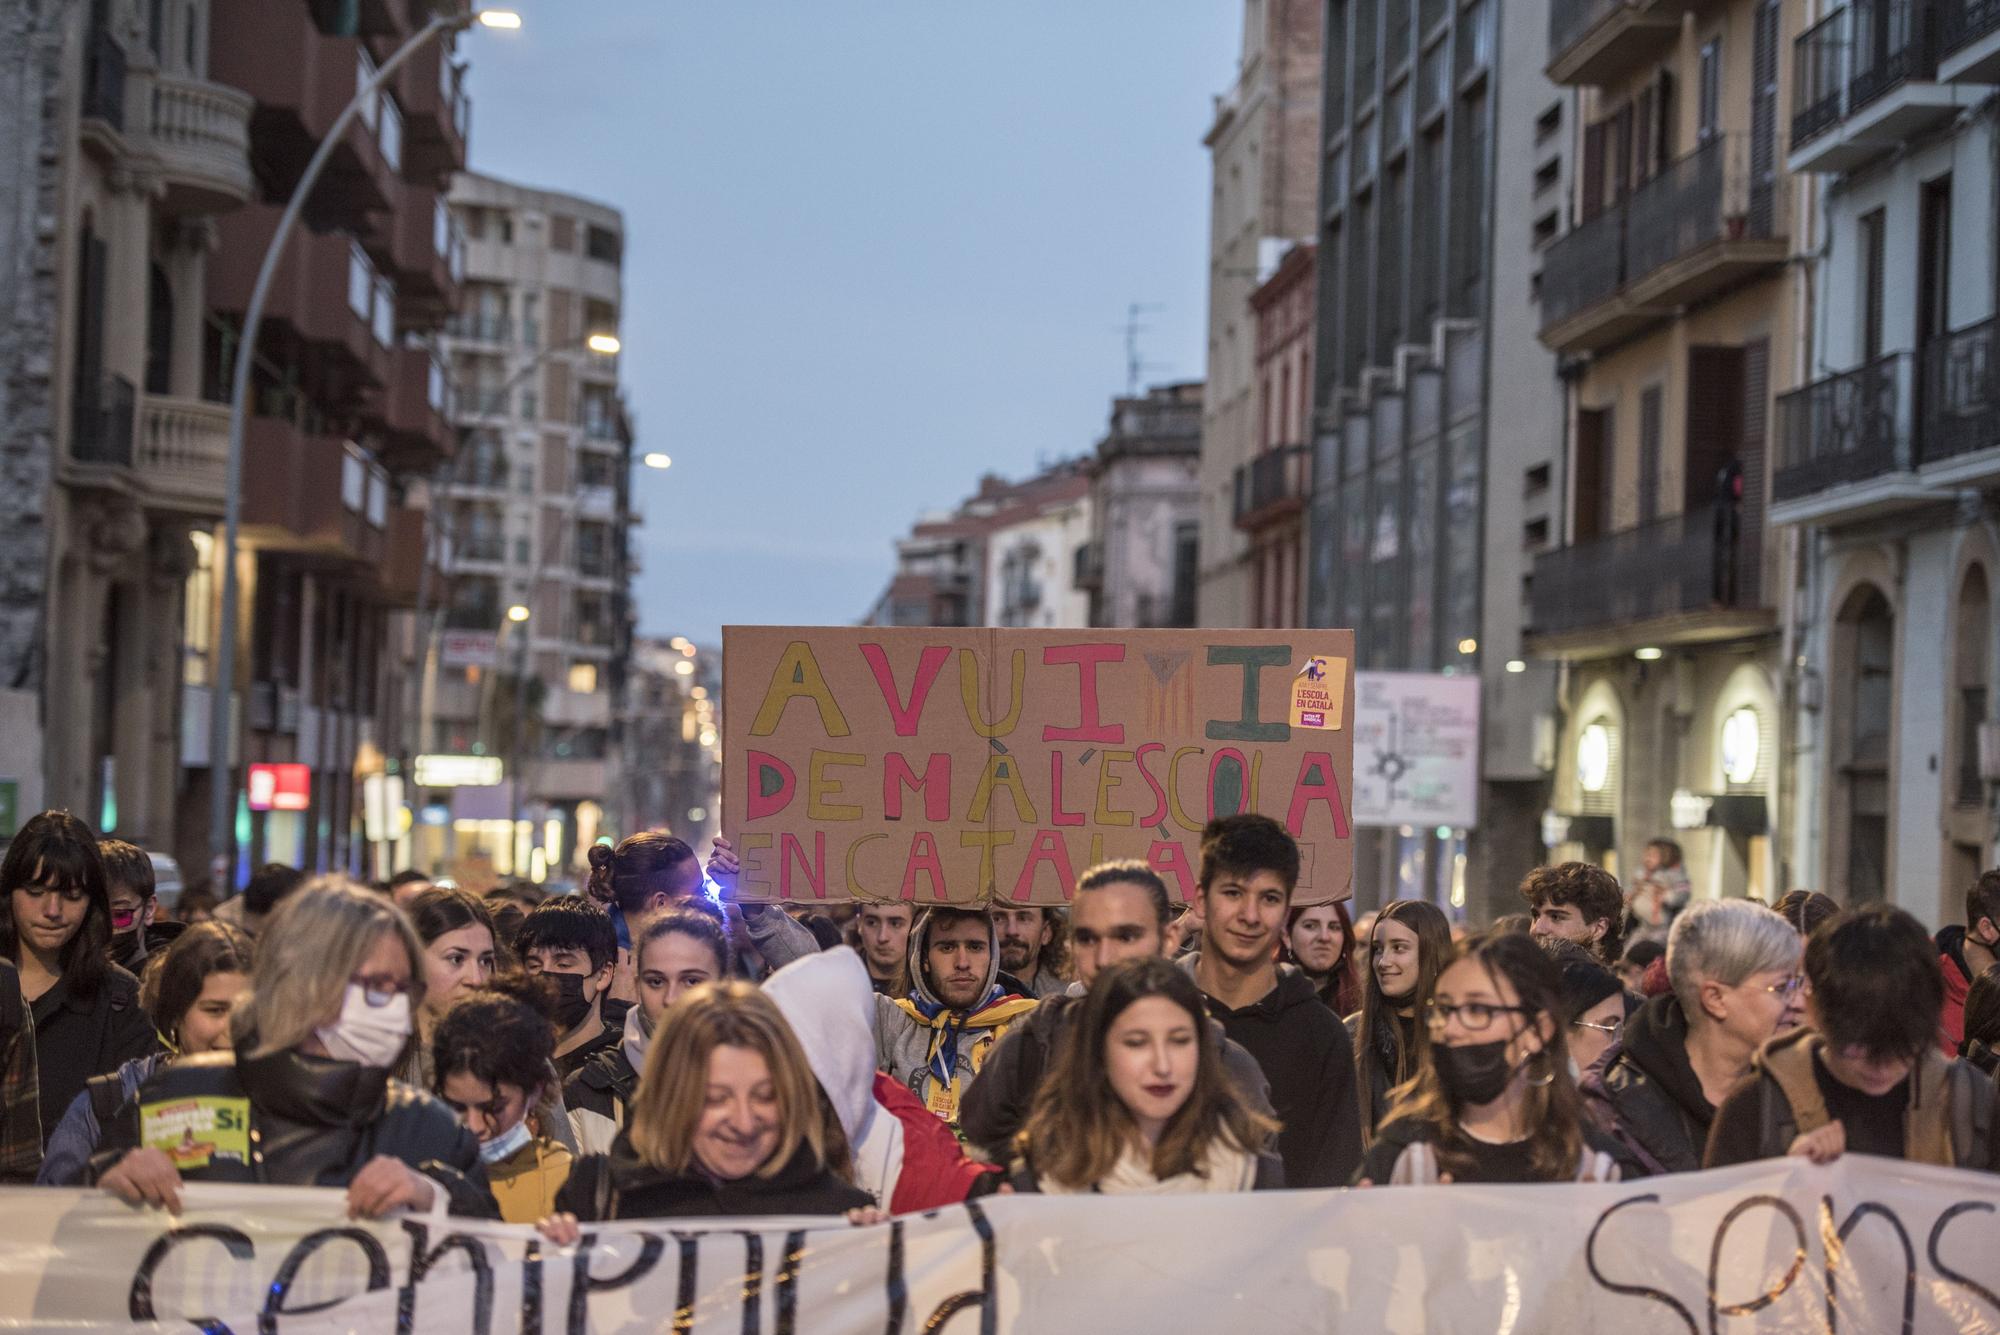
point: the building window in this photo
(583, 678)
(364, 74)
(197, 607)
(390, 136)
(1548, 123)
(1872, 257)
(531, 405)
(360, 281)
(531, 320)
(1974, 627)
(601, 243)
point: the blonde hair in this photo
(314, 941)
(667, 1106)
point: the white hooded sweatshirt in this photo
(830, 1004)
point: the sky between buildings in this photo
(874, 248)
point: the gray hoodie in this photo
(904, 1041)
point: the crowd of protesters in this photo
(649, 1047)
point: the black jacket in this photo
(1306, 1056)
(619, 1185)
(313, 1121)
(1001, 1095)
(606, 1039)
(602, 1085)
(1649, 1099)
(75, 1039)
(1496, 1163)
(1378, 1060)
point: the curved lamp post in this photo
(221, 768)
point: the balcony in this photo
(311, 494)
(437, 116)
(423, 253)
(184, 453)
(1683, 579)
(1596, 42)
(481, 327)
(309, 293)
(200, 134)
(403, 561)
(1846, 447)
(1969, 41)
(1961, 408)
(1273, 487)
(419, 434)
(1704, 225)
(1866, 79)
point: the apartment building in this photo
(1672, 301)
(1264, 152)
(672, 775)
(1423, 335)
(1888, 454)
(1141, 565)
(124, 153)
(538, 515)
(1271, 489)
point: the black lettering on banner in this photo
(1836, 1240)
(531, 1288)
(898, 1283)
(582, 1283)
(1716, 1311)
(1972, 1286)
(295, 1261)
(753, 1284)
(788, 1282)
(423, 1257)
(690, 1245)
(1632, 1290)
(983, 1296)
(139, 1300)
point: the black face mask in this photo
(571, 1005)
(128, 948)
(1472, 1073)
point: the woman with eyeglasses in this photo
(1407, 947)
(1592, 999)
(1495, 1103)
(55, 926)
(1734, 966)
(306, 1097)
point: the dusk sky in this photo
(874, 248)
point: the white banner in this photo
(1416, 750)
(1866, 1246)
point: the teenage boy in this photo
(1579, 902)
(571, 944)
(1966, 952)
(1867, 1075)
(1249, 868)
(1121, 911)
(128, 877)
(938, 1037)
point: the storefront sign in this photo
(459, 771)
(1416, 750)
(283, 787)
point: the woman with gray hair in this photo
(306, 1098)
(1734, 966)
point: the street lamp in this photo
(517, 613)
(605, 345)
(221, 772)
(657, 460)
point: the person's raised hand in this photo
(386, 1184)
(1822, 1146)
(559, 1229)
(145, 1177)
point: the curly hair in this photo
(1587, 888)
(496, 1038)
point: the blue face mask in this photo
(505, 1145)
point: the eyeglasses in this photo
(71, 894)
(380, 990)
(1613, 1028)
(1476, 1016)
(1787, 988)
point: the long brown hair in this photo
(666, 1108)
(1433, 933)
(1554, 1112)
(1340, 990)
(174, 979)
(1079, 1129)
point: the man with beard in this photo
(936, 1039)
(1029, 947)
(1249, 868)
(128, 872)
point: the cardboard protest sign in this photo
(961, 765)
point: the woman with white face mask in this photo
(306, 1098)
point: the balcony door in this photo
(1866, 641)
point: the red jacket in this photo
(1951, 1020)
(935, 1169)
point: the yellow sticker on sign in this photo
(195, 1132)
(1319, 694)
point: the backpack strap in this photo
(1788, 1061)
(107, 1097)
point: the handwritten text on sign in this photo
(957, 765)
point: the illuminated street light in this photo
(657, 460)
(517, 613)
(605, 345)
(498, 18)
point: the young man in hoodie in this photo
(1966, 952)
(1121, 911)
(1249, 868)
(936, 1039)
(903, 1156)
(128, 877)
